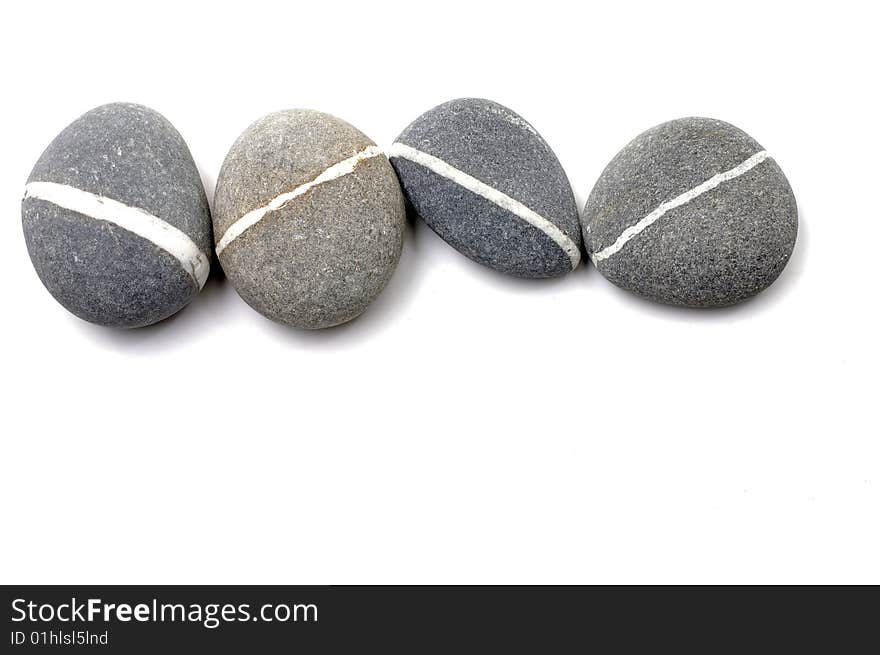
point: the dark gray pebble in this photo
(485, 181)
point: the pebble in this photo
(487, 183)
(309, 219)
(116, 220)
(692, 212)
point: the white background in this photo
(469, 427)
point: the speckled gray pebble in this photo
(723, 242)
(97, 269)
(320, 253)
(497, 148)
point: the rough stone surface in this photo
(98, 270)
(719, 248)
(499, 148)
(321, 258)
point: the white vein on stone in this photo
(443, 169)
(678, 201)
(254, 216)
(134, 219)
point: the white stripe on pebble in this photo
(491, 194)
(254, 216)
(134, 219)
(678, 201)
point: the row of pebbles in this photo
(309, 213)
